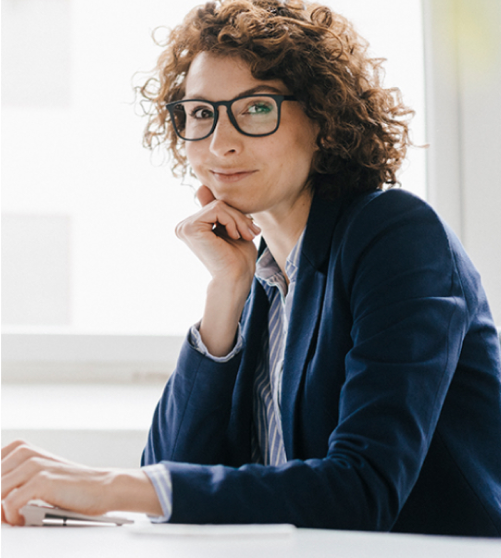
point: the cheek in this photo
(195, 157)
(298, 145)
(299, 155)
(190, 150)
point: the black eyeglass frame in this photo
(277, 98)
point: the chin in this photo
(245, 208)
(237, 201)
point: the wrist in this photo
(223, 309)
(235, 283)
(229, 295)
(132, 490)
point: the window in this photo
(89, 214)
(36, 60)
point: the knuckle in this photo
(42, 476)
(20, 445)
(34, 462)
(40, 481)
(24, 451)
(187, 228)
(218, 205)
(180, 229)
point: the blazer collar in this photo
(322, 220)
(320, 226)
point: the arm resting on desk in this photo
(29, 473)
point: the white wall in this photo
(72, 154)
(463, 63)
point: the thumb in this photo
(204, 195)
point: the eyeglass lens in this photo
(253, 115)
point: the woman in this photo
(349, 379)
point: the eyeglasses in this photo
(252, 115)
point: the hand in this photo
(29, 473)
(221, 237)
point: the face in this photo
(252, 174)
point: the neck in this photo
(282, 228)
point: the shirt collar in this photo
(268, 272)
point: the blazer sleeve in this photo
(396, 278)
(191, 418)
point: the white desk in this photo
(123, 542)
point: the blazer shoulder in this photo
(394, 209)
(395, 201)
(394, 229)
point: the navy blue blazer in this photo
(391, 397)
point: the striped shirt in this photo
(268, 447)
(267, 439)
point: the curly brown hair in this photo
(321, 59)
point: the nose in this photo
(225, 139)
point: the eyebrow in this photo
(251, 91)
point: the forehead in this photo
(216, 77)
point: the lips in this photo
(231, 175)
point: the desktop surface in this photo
(144, 539)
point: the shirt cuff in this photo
(160, 477)
(196, 342)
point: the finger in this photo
(226, 227)
(24, 452)
(237, 224)
(254, 228)
(204, 195)
(12, 446)
(211, 217)
(18, 498)
(22, 474)
(10, 515)
(15, 458)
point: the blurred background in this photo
(94, 307)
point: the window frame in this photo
(52, 357)
(73, 358)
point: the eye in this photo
(260, 107)
(202, 112)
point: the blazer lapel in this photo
(306, 308)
